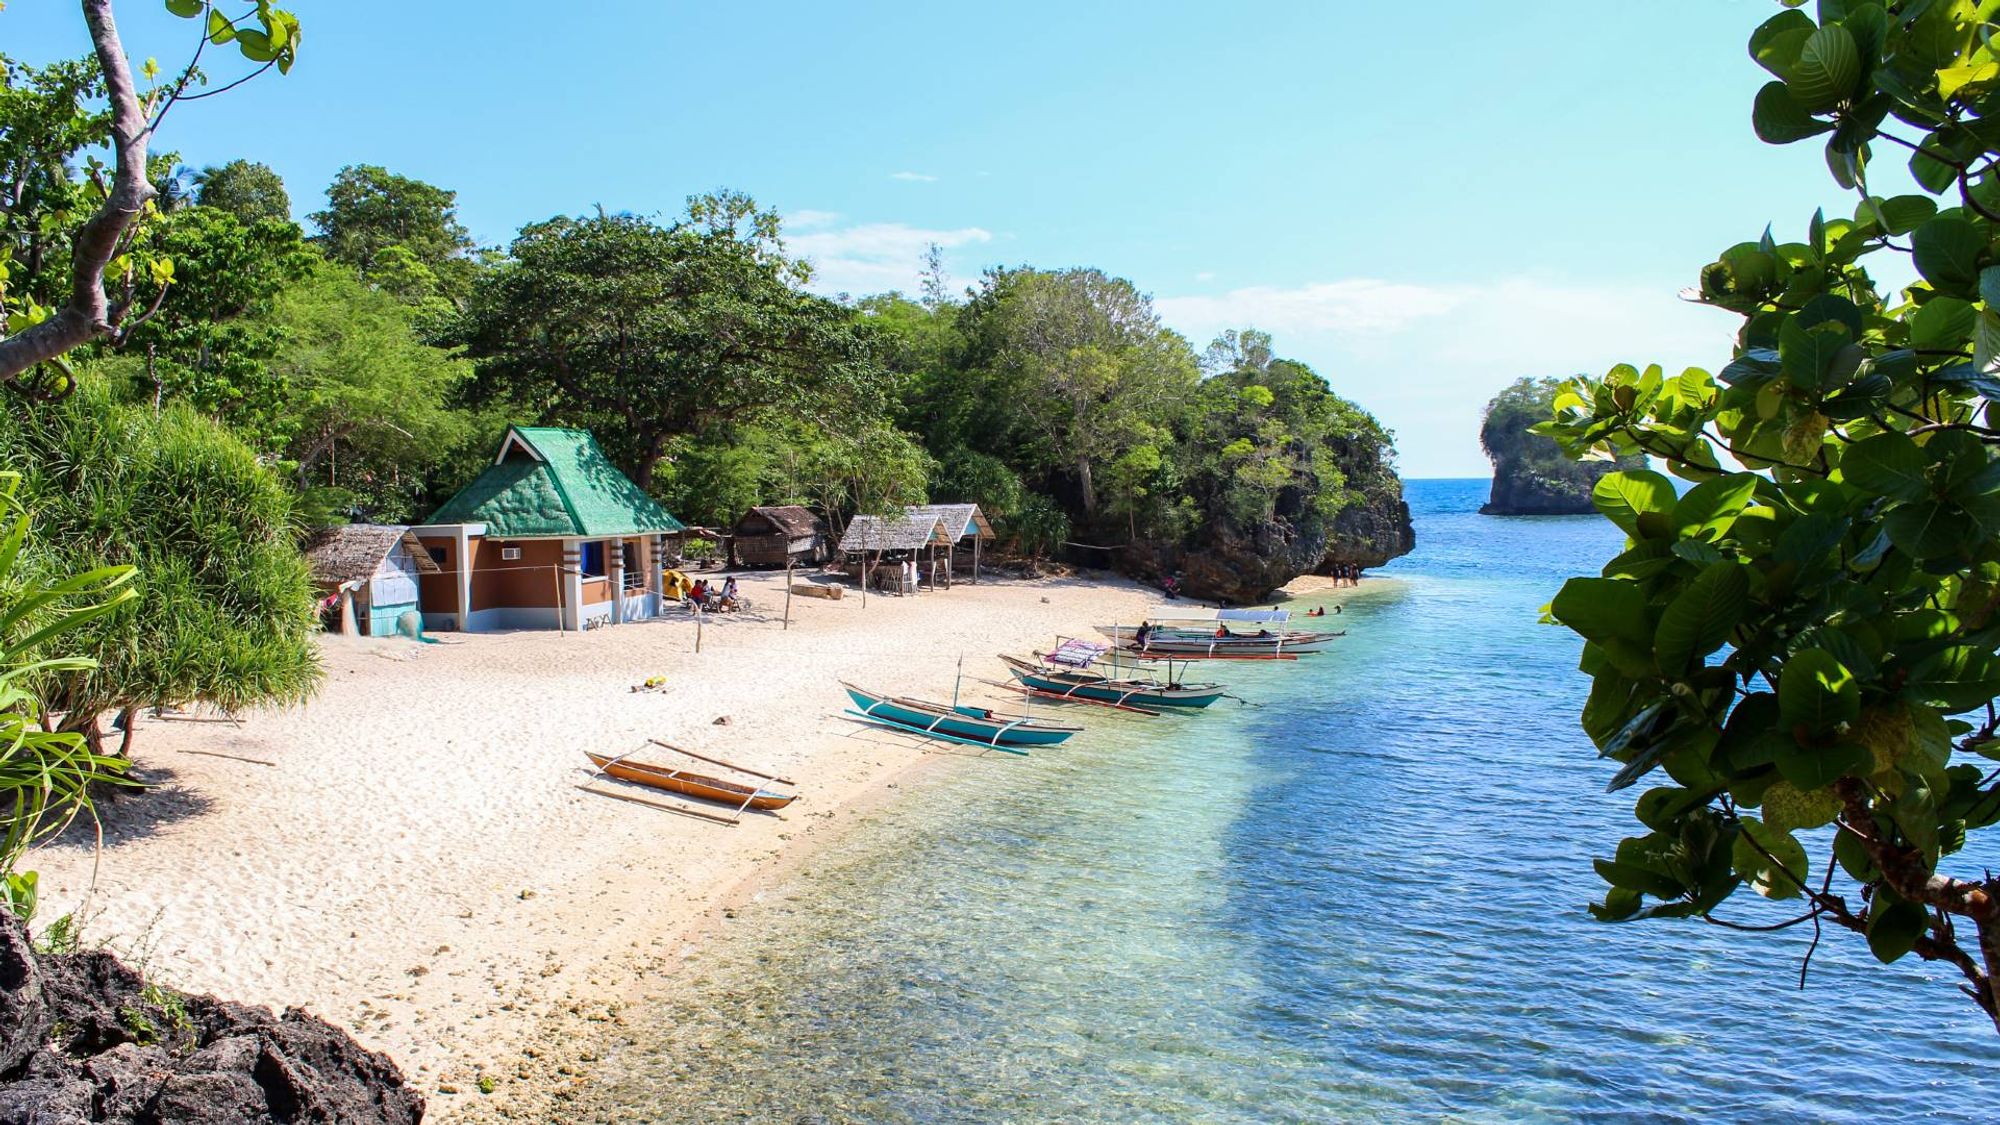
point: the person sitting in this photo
(1222, 630)
(1263, 632)
(698, 594)
(1145, 633)
(728, 593)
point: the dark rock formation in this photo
(1519, 492)
(1531, 477)
(1370, 532)
(83, 1038)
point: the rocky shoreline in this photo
(85, 1038)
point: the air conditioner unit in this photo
(510, 554)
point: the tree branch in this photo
(86, 315)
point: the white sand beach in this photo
(410, 855)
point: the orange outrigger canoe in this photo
(694, 784)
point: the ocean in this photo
(1357, 897)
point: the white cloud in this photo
(1205, 275)
(1425, 357)
(913, 177)
(808, 220)
(872, 257)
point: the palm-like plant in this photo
(45, 776)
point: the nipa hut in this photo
(782, 535)
(966, 528)
(372, 570)
(871, 540)
(551, 535)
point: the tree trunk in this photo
(1086, 487)
(88, 315)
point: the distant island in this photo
(1530, 475)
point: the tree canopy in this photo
(246, 189)
(648, 333)
(1798, 656)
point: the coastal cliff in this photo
(84, 1038)
(1531, 477)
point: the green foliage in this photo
(1529, 470)
(45, 776)
(224, 607)
(250, 191)
(376, 220)
(649, 333)
(1798, 635)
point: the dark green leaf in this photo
(186, 9)
(1894, 927)
(1778, 118)
(1886, 464)
(1817, 692)
(1931, 529)
(1700, 618)
(1947, 250)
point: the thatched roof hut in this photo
(372, 570)
(779, 535)
(910, 531)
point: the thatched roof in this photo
(959, 519)
(906, 532)
(789, 520)
(352, 552)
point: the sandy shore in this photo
(411, 856)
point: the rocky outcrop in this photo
(1243, 566)
(1519, 491)
(1370, 532)
(83, 1038)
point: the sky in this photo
(1424, 202)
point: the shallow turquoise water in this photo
(1361, 900)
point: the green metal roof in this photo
(563, 485)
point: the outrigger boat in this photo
(1214, 640)
(1063, 674)
(974, 726)
(673, 780)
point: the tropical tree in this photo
(101, 218)
(1798, 656)
(402, 228)
(367, 405)
(224, 610)
(1092, 371)
(648, 333)
(248, 190)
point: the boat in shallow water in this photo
(1073, 683)
(1220, 642)
(674, 780)
(957, 723)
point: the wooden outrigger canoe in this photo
(1197, 644)
(1060, 683)
(976, 726)
(687, 784)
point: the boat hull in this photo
(690, 784)
(973, 724)
(1106, 690)
(1181, 642)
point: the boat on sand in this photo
(674, 780)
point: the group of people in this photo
(1345, 574)
(702, 595)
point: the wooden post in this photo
(557, 571)
(788, 596)
(700, 615)
(976, 537)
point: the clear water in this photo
(1359, 901)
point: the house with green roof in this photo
(550, 535)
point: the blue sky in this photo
(1422, 201)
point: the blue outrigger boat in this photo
(1065, 675)
(974, 726)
